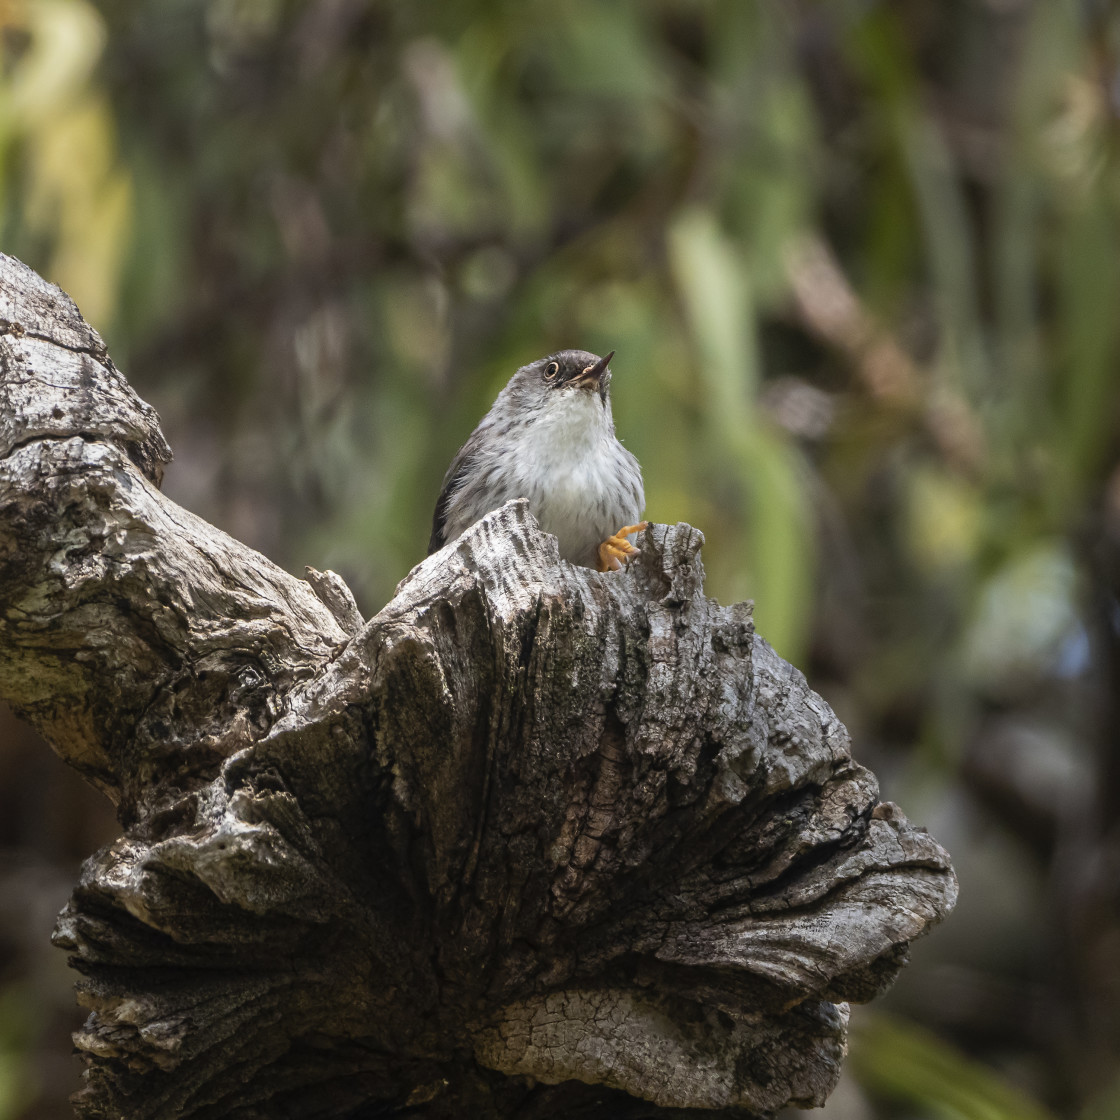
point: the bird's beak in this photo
(592, 376)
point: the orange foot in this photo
(616, 550)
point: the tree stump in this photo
(533, 841)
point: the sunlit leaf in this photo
(944, 520)
(715, 290)
(78, 196)
(66, 40)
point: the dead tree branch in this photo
(532, 841)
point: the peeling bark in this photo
(532, 841)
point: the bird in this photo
(549, 438)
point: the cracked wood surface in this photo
(531, 841)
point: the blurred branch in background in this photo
(861, 265)
(832, 311)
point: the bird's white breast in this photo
(560, 452)
(568, 465)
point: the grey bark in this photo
(532, 841)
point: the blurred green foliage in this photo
(899, 1061)
(19, 1022)
(860, 261)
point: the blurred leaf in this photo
(950, 250)
(716, 294)
(945, 517)
(66, 40)
(776, 538)
(604, 50)
(15, 1093)
(77, 195)
(1089, 278)
(19, 1023)
(1105, 1105)
(899, 1060)
(1025, 611)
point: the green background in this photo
(860, 262)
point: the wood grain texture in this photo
(531, 841)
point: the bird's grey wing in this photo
(452, 481)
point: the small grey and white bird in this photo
(549, 438)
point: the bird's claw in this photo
(617, 550)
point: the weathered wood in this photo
(533, 839)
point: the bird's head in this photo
(566, 372)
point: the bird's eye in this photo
(551, 370)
